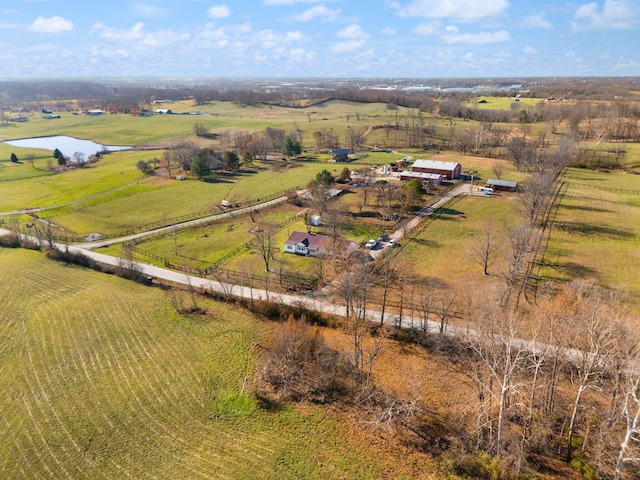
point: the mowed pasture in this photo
(441, 252)
(113, 171)
(100, 378)
(596, 234)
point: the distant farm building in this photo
(432, 178)
(340, 155)
(93, 112)
(450, 170)
(502, 185)
(312, 244)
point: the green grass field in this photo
(99, 378)
(596, 234)
(441, 252)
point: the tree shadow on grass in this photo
(268, 405)
(427, 243)
(573, 270)
(585, 208)
(217, 180)
(580, 228)
(452, 212)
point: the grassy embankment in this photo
(99, 378)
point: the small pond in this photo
(67, 145)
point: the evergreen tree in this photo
(200, 166)
(291, 147)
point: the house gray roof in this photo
(339, 151)
(435, 164)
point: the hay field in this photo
(100, 379)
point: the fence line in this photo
(608, 189)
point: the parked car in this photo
(371, 244)
(383, 238)
(392, 243)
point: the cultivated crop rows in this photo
(99, 378)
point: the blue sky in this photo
(320, 38)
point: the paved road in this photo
(310, 301)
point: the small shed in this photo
(339, 155)
(502, 185)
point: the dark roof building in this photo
(339, 155)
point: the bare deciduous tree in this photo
(484, 249)
(263, 243)
(535, 194)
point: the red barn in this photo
(450, 170)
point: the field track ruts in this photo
(102, 389)
(100, 379)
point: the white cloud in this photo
(299, 55)
(477, 38)
(219, 11)
(353, 31)
(271, 40)
(348, 46)
(51, 25)
(537, 21)
(288, 2)
(389, 31)
(529, 50)
(133, 33)
(627, 63)
(163, 38)
(150, 11)
(614, 15)
(319, 11)
(137, 35)
(427, 29)
(462, 10)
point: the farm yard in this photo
(104, 377)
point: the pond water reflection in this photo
(67, 145)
